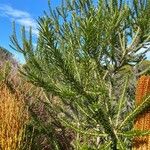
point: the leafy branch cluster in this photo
(87, 55)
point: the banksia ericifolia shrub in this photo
(86, 54)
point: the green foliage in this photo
(82, 56)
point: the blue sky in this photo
(23, 13)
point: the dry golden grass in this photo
(13, 118)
